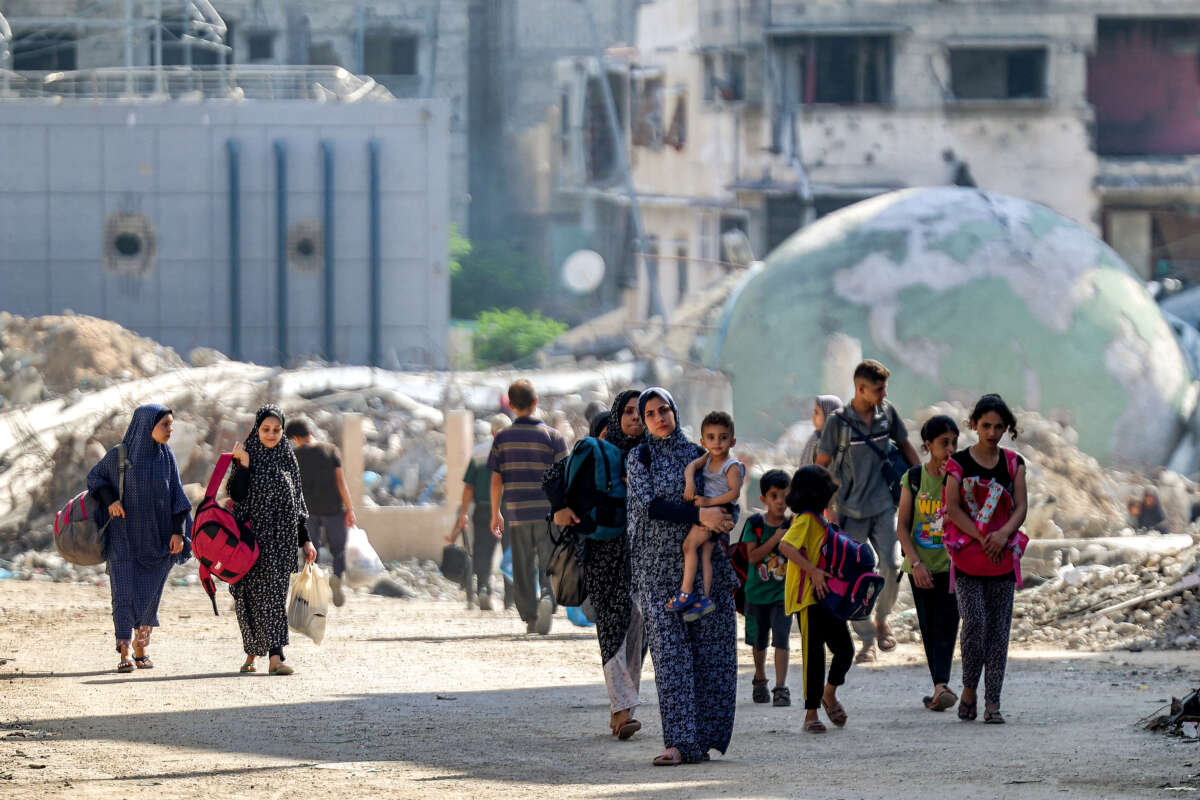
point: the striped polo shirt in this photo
(521, 453)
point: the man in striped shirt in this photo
(520, 455)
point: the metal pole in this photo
(129, 47)
(360, 35)
(327, 187)
(281, 276)
(618, 135)
(159, 87)
(235, 249)
(375, 286)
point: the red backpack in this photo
(224, 547)
(990, 506)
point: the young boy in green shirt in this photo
(765, 615)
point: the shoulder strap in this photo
(914, 479)
(866, 435)
(122, 462)
(218, 473)
(757, 522)
(1011, 458)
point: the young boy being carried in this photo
(765, 614)
(721, 476)
(852, 442)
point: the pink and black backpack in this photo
(224, 547)
(990, 506)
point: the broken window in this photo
(322, 53)
(599, 144)
(261, 45)
(43, 50)
(181, 44)
(648, 112)
(677, 133)
(998, 74)
(390, 53)
(725, 76)
(833, 69)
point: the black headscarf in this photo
(599, 424)
(275, 500)
(613, 433)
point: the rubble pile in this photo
(1182, 717)
(43, 357)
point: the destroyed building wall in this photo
(794, 110)
(131, 212)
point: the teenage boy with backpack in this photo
(857, 444)
(766, 618)
(520, 456)
(330, 512)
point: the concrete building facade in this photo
(761, 116)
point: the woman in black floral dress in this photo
(265, 487)
(695, 663)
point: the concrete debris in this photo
(1181, 718)
(45, 357)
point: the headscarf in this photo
(599, 424)
(151, 472)
(613, 433)
(275, 501)
(829, 405)
(1152, 517)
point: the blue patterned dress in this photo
(695, 663)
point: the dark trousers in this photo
(531, 548)
(986, 608)
(483, 547)
(330, 530)
(937, 613)
(820, 629)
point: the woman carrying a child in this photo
(266, 492)
(606, 576)
(695, 662)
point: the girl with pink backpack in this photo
(986, 502)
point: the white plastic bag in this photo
(308, 602)
(363, 566)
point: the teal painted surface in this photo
(959, 294)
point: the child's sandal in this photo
(679, 602)
(143, 662)
(967, 711)
(126, 665)
(781, 696)
(760, 694)
(836, 713)
(814, 726)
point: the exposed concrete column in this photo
(352, 457)
(460, 441)
(1129, 234)
(842, 355)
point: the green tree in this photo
(502, 337)
(493, 274)
(460, 248)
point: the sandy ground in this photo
(427, 700)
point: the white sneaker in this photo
(545, 614)
(335, 584)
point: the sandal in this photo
(836, 713)
(665, 759)
(993, 717)
(760, 694)
(248, 668)
(814, 726)
(680, 602)
(143, 662)
(282, 669)
(966, 711)
(126, 665)
(940, 701)
(781, 696)
(630, 727)
(886, 641)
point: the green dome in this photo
(959, 292)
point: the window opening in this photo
(998, 74)
(390, 53)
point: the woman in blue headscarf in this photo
(695, 663)
(149, 529)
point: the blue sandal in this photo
(967, 711)
(680, 602)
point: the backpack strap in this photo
(1012, 460)
(218, 474)
(757, 522)
(122, 463)
(914, 479)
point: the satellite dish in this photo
(583, 271)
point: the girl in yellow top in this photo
(810, 492)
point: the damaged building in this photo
(746, 120)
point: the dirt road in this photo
(426, 700)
